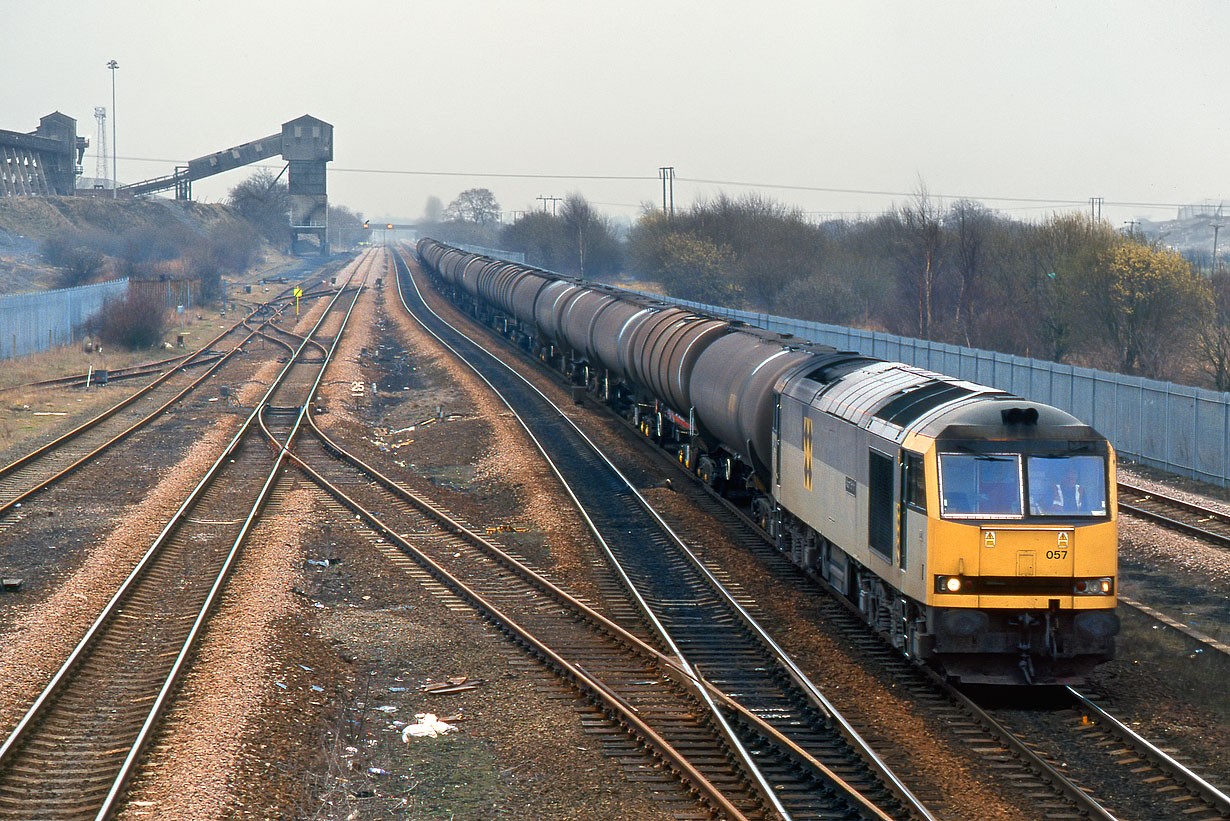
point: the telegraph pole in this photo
(667, 173)
(1095, 208)
(551, 200)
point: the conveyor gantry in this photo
(305, 143)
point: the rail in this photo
(118, 599)
(872, 760)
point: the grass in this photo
(32, 414)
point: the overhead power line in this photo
(1040, 202)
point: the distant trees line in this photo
(574, 239)
(1068, 288)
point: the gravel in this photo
(316, 629)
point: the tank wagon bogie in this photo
(974, 529)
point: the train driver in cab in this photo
(1058, 488)
(1069, 495)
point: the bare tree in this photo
(970, 223)
(924, 235)
(264, 200)
(578, 217)
(1215, 334)
(345, 226)
(540, 237)
(477, 205)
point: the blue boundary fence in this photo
(40, 320)
(1177, 428)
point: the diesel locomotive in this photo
(976, 530)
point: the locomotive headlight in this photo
(948, 584)
(1093, 587)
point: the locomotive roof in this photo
(894, 400)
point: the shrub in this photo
(77, 255)
(138, 320)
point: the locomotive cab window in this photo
(914, 483)
(984, 485)
(1067, 485)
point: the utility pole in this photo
(667, 173)
(551, 200)
(115, 179)
(1095, 208)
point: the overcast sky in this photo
(1057, 102)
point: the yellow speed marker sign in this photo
(298, 293)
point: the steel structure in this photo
(44, 161)
(306, 143)
(100, 164)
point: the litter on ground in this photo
(428, 726)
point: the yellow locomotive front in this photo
(1022, 550)
(974, 529)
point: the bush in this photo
(77, 255)
(227, 249)
(138, 320)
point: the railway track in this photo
(153, 368)
(1042, 781)
(624, 676)
(1204, 523)
(694, 618)
(74, 750)
(1037, 751)
(55, 460)
(1199, 521)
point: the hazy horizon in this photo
(1030, 107)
